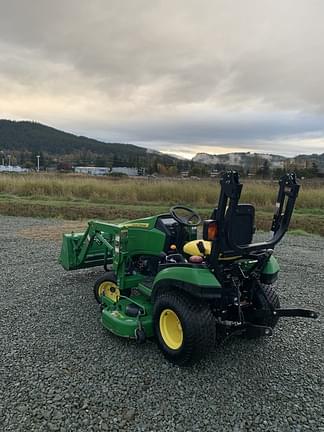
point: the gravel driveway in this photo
(61, 371)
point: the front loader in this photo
(162, 280)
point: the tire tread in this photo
(198, 322)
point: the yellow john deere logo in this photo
(137, 225)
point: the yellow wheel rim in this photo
(171, 329)
(110, 290)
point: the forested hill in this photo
(25, 139)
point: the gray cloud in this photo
(285, 133)
(186, 75)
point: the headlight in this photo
(117, 243)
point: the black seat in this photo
(243, 230)
(243, 225)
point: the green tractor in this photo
(161, 280)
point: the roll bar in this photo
(228, 201)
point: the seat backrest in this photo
(243, 223)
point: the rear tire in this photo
(185, 328)
(265, 298)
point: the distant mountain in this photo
(35, 137)
(25, 139)
(263, 163)
(313, 157)
(237, 159)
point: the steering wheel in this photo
(186, 221)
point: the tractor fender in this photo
(269, 273)
(194, 280)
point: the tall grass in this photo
(202, 193)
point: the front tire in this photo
(106, 282)
(185, 328)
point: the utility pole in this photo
(9, 157)
(38, 156)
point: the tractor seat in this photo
(243, 230)
(192, 248)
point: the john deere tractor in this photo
(162, 281)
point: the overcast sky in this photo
(178, 76)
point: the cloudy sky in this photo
(179, 76)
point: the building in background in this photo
(13, 168)
(101, 171)
(96, 171)
(125, 170)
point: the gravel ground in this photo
(61, 371)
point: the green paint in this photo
(89, 249)
(191, 275)
(272, 266)
(114, 317)
(144, 289)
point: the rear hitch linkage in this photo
(288, 312)
(295, 312)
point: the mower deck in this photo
(128, 315)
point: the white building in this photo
(100, 171)
(125, 170)
(12, 168)
(278, 164)
(96, 171)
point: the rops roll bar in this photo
(228, 202)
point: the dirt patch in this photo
(52, 232)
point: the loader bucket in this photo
(69, 258)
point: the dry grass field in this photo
(77, 197)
